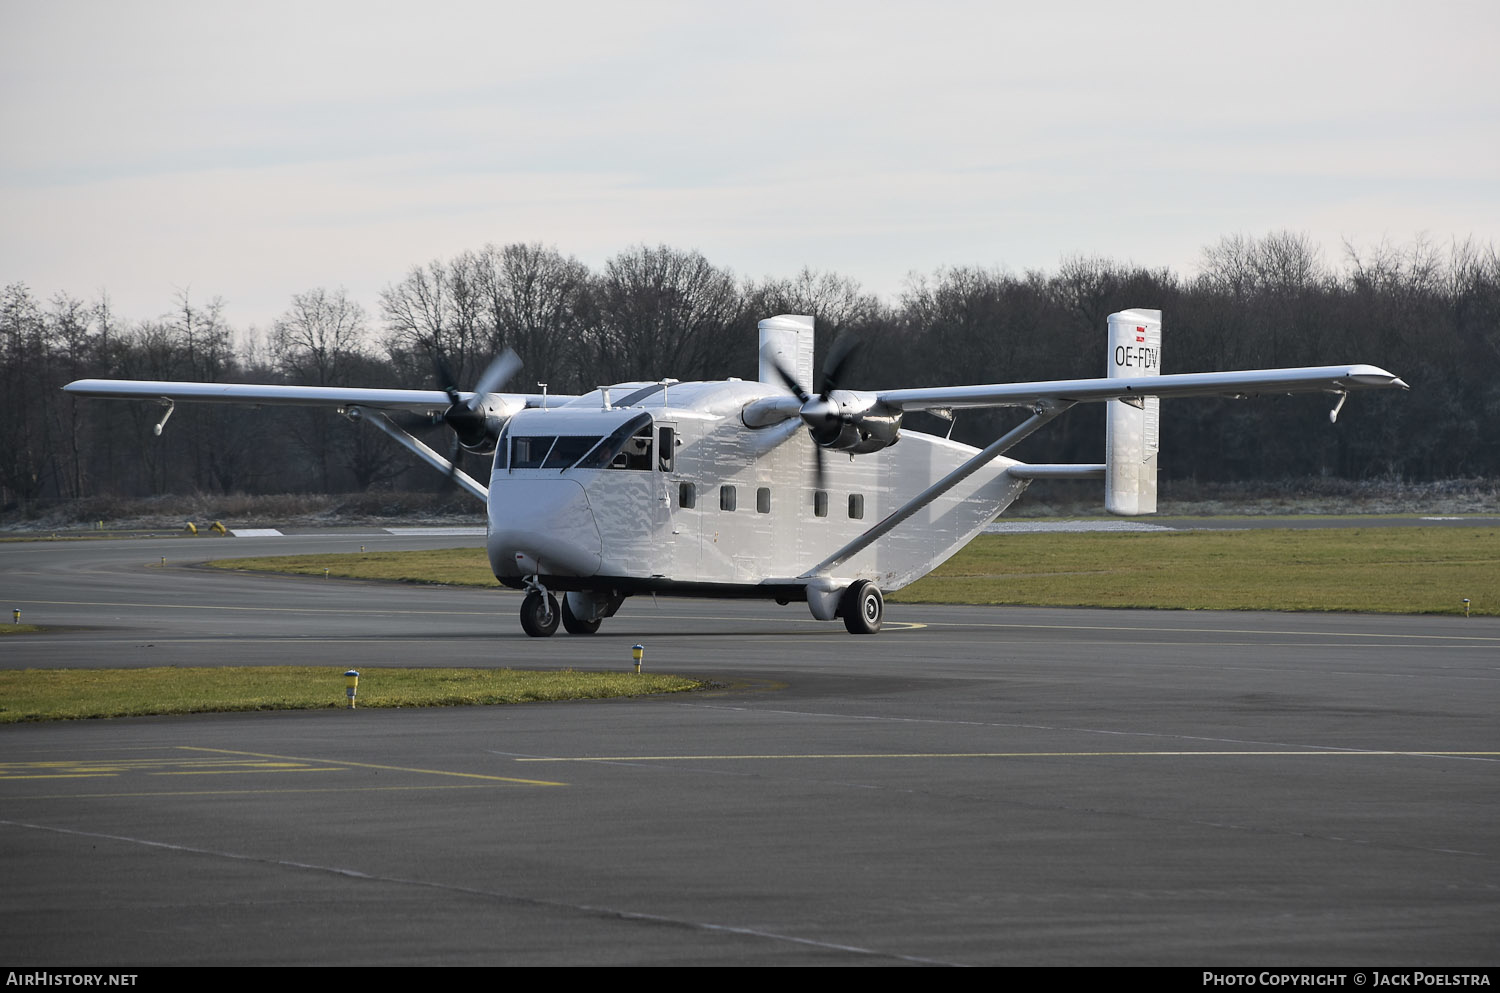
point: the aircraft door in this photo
(677, 517)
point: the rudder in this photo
(1132, 432)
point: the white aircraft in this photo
(715, 489)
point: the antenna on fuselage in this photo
(664, 384)
(604, 392)
(544, 395)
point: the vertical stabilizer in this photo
(1132, 432)
(789, 339)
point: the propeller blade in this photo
(453, 457)
(444, 375)
(834, 365)
(499, 372)
(789, 381)
(821, 413)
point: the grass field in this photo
(1385, 570)
(66, 694)
(1418, 570)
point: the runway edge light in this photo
(351, 685)
(638, 652)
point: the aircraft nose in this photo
(542, 527)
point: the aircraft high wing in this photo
(1259, 382)
(1336, 379)
(476, 417)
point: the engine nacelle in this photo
(860, 426)
(478, 430)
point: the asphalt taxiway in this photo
(973, 786)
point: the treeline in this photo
(1430, 314)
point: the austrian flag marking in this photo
(1140, 334)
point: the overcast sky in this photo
(255, 150)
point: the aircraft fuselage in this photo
(675, 494)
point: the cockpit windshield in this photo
(627, 447)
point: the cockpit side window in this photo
(502, 448)
(637, 452)
(666, 448)
(627, 447)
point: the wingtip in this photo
(1369, 375)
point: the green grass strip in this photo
(453, 566)
(68, 694)
(1410, 570)
(1420, 570)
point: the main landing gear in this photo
(574, 624)
(862, 608)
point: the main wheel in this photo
(539, 614)
(574, 624)
(863, 607)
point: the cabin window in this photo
(820, 503)
(728, 499)
(666, 449)
(687, 496)
(856, 506)
(763, 500)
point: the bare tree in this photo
(837, 304)
(538, 304)
(664, 312)
(314, 339)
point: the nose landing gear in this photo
(539, 613)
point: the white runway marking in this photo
(476, 891)
(437, 531)
(256, 533)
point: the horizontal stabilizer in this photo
(1022, 470)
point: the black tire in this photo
(575, 625)
(539, 615)
(863, 608)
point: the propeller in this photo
(467, 418)
(821, 413)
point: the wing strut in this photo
(1044, 412)
(420, 450)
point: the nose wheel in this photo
(539, 614)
